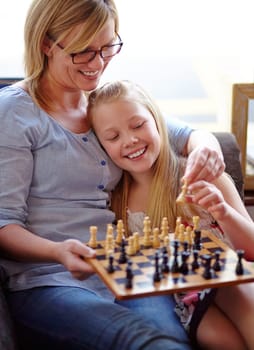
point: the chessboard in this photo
(172, 265)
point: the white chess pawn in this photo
(156, 238)
(136, 241)
(93, 239)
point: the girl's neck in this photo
(139, 193)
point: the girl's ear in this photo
(46, 46)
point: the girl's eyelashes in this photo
(139, 124)
(112, 138)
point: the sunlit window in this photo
(187, 53)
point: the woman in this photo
(55, 182)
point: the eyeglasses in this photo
(106, 52)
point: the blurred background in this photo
(186, 53)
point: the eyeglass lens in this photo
(105, 52)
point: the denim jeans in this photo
(69, 318)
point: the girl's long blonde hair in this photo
(167, 170)
(57, 18)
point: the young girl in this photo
(132, 131)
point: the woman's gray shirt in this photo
(55, 183)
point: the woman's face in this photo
(81, 76)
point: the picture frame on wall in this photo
(242, 126)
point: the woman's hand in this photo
(203, 163)
(72, 254)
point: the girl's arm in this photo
(222, 200)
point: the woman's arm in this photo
(21, 244)
(205, 159)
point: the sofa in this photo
(233, 167)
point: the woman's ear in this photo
(46, 46)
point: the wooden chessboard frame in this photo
(171, 282)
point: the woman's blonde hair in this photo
(57, 18)
(167, 169)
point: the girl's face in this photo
(82, 76)
(128, 132)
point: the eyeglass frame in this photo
(95, 52)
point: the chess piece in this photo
(166, 243)
(111, 267)
(147, 232)
(109, 230)
(120, 232)
(164, 228)
(131, 247)
(109, 244)
(195, 263)
(184, 269)
(197, 240)
(195, 220)
(177, 228)
(156, 238)
(129, 275)
(165, 266)
(181, 233)
(217, 264)
(123, 256)
(93, 240)
(175, 265)
(185, 246)
(207, 274)
(181, 199)
(157, 273)
(189, 235)
(239, 266)
(136, 242)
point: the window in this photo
(187, 53)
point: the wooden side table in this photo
(249, 197)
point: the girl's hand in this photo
(72, 253)
(203, 164)
(209, 197)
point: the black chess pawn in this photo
(217, 263)
(239, 266)
(207, 274)
(176, 245)
(111, 267)
(129, 275)
(197, 240)
(195, 263)
(165, 266)
(175, 265)
(184, 269)
(123, 255)
(185, 246)
(157, 272)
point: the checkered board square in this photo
(143, 269)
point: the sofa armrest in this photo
(231, 152)
(7, 334)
